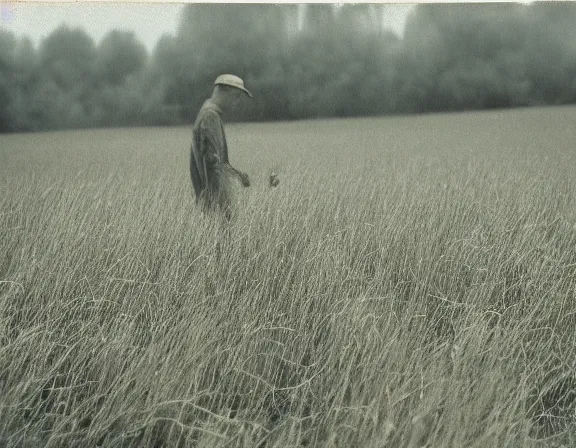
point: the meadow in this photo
(410, 283)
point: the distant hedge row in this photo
(332, 62)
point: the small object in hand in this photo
(274, 181)
(245, 180)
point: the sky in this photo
(147, 20)
(36, 20)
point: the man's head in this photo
(228, 91)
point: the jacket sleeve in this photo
(198, 181)
(213, 140)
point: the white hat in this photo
(232, 80)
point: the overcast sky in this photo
(36, 20)
(147, 20)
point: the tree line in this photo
(329, 62)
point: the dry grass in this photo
(411, 282)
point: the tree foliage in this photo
(308, 61)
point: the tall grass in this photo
(410, 282)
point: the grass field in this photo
(411, 282)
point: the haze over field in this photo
(321, 61)
(411, 282)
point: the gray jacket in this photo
(208, 148)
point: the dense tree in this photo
(68, 56)
(232, 38)
(301, 61)
(7, 44)
(119, 56)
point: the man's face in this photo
(235, 97)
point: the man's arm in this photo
(210, 141)
(217, 150)
(243, 177)
(195, 173)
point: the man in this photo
(210, 169)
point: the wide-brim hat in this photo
(233, 81)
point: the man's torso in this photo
(208, 132)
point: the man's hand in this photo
(274, 181)
(212, 158)
(245, 179)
